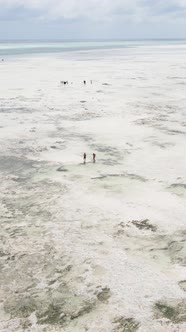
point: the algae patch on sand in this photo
(125, 325)
(173, 310)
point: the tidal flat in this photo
(95, 247)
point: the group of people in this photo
(85, 158)
(66, 82)
(85, 82)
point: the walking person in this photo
(84, 158)
(94, 157)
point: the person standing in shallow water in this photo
(94, 157)
(84, 158)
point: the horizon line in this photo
(88, 40)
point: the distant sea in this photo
(13, 48)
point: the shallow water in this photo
(8, 48)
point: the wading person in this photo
(84, 158)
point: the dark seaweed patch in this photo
(175, 312)
(121, 175)
(125, 325)
(62, 169)
(182, 285)
(178, 185)
(20, 307)
(144, 224)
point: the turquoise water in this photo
(40, 47)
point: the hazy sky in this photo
(92, 19)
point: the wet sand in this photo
(97, 247)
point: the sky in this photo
(92, 19)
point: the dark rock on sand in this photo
(104, 294)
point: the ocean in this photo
(13, 48)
